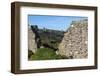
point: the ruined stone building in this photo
(75, 41)
(32, 44)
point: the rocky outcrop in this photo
(75, 41)
(32, 44)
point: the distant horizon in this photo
(47, 28)
(61, 23)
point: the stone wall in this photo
(32, 44)
(75, 41)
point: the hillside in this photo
(50, 38)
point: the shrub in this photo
(30, 53)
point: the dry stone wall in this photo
(75, 41)
(32, 44)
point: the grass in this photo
(45, 54)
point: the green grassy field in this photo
(44, 54)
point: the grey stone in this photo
(32, 44)
(75, 40)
